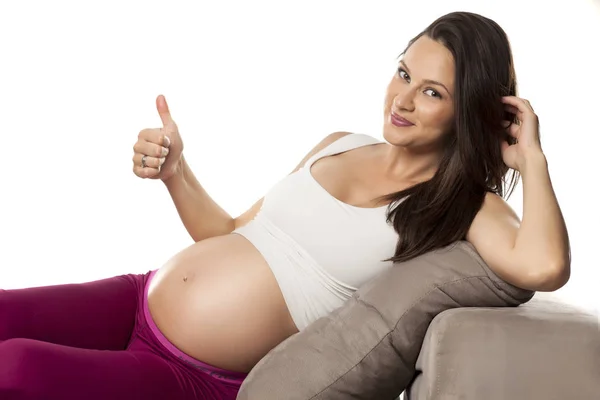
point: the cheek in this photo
(447, 119)
(389, 97)
(392, 90)
(435, 116)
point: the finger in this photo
(163, 111)
(529, 105)
(153, 162)
(518, 116)
(155, 135)
(519, 104)
(150, 149)
(147, 172)
(511, 128)
(513, 110)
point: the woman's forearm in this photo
(200, 214)
(542, 237)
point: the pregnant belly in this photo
(219, 302)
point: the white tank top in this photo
(319, 248)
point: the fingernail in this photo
(164, 152)
(166, 141)
(162, 161)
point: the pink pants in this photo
(97, 340)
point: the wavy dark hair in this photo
(438, 212)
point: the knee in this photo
(20, 375)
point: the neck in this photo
(405, 164)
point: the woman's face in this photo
(412, 94)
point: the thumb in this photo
(163, 111)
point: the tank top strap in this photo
(345, 143)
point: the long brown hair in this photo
(438, 212)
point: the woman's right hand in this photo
(162, 147)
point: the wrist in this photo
(534, 160)
(178, 172)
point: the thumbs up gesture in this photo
(157, 152)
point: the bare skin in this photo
(218, 300)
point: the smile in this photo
(399, 121)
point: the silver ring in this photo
(144, 162)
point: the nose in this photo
(404, 100)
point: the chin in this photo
(394, 137)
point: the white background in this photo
(253, 87)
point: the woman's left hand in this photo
(526, 132)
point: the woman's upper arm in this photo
(249, 215)
(493, 233)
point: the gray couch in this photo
(541, 350)
(442, 326)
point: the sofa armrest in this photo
(540, 350)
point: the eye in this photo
(435, 94)
(400, 72)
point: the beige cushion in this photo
(544, 349)
(367, 348)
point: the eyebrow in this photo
(426, 80)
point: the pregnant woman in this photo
(195, 327)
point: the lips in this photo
(399, 120)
